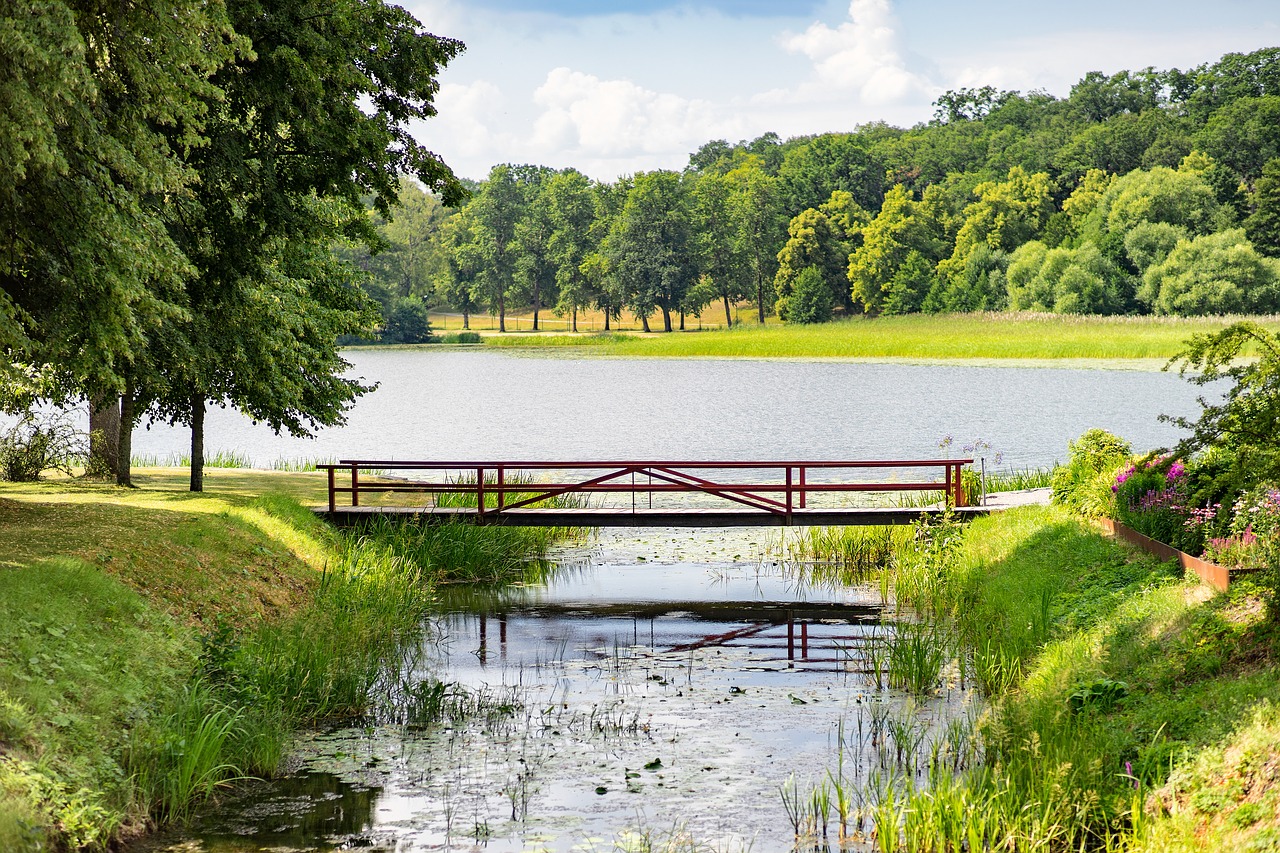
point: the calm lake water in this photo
(457, 404)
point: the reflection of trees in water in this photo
(295, 811)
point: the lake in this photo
(437, 404)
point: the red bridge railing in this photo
(773, 487)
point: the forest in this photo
(1140, 192)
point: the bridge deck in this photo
(347, 516)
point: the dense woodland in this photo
(1147, 192)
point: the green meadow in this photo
(954, 336)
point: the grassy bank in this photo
(966, 336)
(1131, 708)
(155, 643)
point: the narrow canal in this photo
(661, 686)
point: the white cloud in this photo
(862, 56)
(616, 118)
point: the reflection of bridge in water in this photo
(790, 635)
(645, 494)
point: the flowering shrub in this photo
(1151, 497)
(1254, 533)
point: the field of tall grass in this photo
(963, 336)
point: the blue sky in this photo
(613, 88)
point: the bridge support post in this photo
(789, 498)
(355, 484)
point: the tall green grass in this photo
(229, 459)
(1033, 596)
(212, 459)
(968, 336)
(461, 552)
(252, 688)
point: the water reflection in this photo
(614, 698)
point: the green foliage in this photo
(649, 245)
(809, 300)
(1244, 135)
(1180, 197)
(1246, 422)
(1065, 281)
(1149, 243)
(97, 117)
(1006, 215)
(406, 321)
(1214, 274)
(1263, 225)
(39, 443)
(1084, 484)
(814, 243)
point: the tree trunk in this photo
(104, 436)
(575, 318)
(728, 317)
(606, 319)
(682, 319)
(502, 312)
(466, 320)
(124, 448)
(537, 306)
(197, 442)
(666, 319)
(760, 297)
(644, 322)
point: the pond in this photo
(438, 404)
(628, 699)
(664, 684)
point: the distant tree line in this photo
(1140, 192)
(176, 174)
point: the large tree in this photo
(97, 108)
(650, 248)
(755, 203)
(315, 116)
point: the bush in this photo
(810, 299)
(1084, 484)
(462, 338)
(41, 443)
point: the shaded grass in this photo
(81, 656)
(973, 336)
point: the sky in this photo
(614, 88)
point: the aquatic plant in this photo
(917, 653)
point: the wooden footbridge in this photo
(643, 493)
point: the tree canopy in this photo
(1100, 185)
